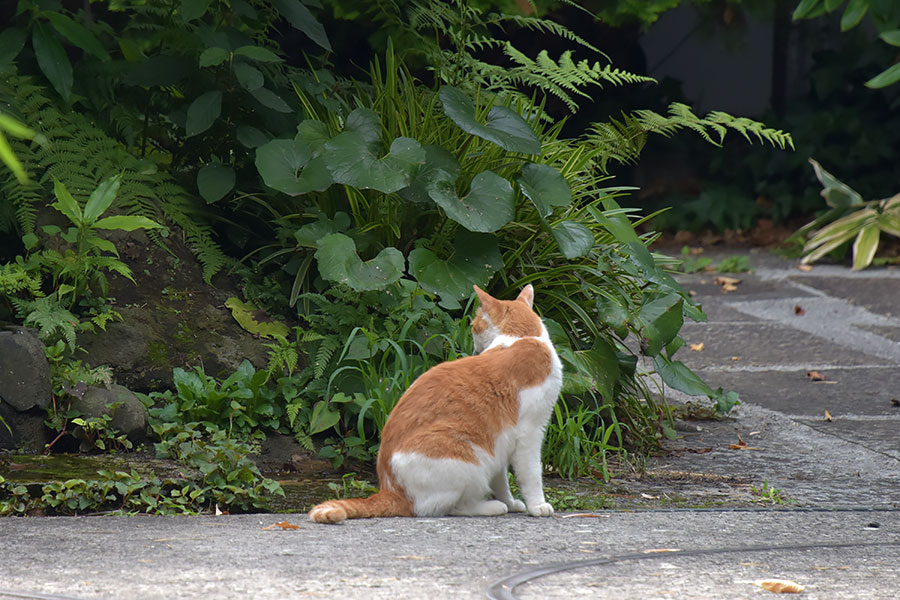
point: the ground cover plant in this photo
(357, 210)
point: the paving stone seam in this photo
(794, 368)
(846, 417)
(824, 272)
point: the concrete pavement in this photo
(836, 532)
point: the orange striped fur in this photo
(446, 446)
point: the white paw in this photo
(516, 506)
(540, 510)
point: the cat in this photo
(452, 435)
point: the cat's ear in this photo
(527, 295)
(484, 298)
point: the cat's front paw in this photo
(516, 506)
(540, 510)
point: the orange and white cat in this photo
(446, 446)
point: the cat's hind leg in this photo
(441, 486)
(482, 508)
(500, 489)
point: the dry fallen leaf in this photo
(799, 310)
(697, 347)
(828, 416)
(723, 280)
(780, 586)
(729, 284)
(815, 376)
(741, 445)
(735, 358)
(283, 524)
(804, 268)
(657, 550)
(649, 497)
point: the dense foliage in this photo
(361, 209)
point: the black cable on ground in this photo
(35, 596)
(503, 589)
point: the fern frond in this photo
(15, 279)
(324, 354)
(50, 318)
(552, 28)
(681, 116)
(304, 440)
(622, 141)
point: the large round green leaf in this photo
(288, 166)
(214, 181)
(365, 122)
(339, 262)
(573, 238)
(352, 162)
(489, 205)
(314, 133)
(545, 187)
(203, 112)
(476, 257)
(504, 127)
(439, 163)
(310, 234)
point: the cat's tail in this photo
(382, 504)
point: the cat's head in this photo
(513, 318)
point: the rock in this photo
(24, 370)
(282, 453)
(27, 432)
(170, 319)
(130, 418)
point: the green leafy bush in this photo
(241, 405)
(366, 208)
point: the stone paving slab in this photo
(880, 433)
(863, 390)
(733, 345)
(233, 557)
(809, 465)
(883, 301)
(825, 574)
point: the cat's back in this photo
(472, 398)
(497, 373)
